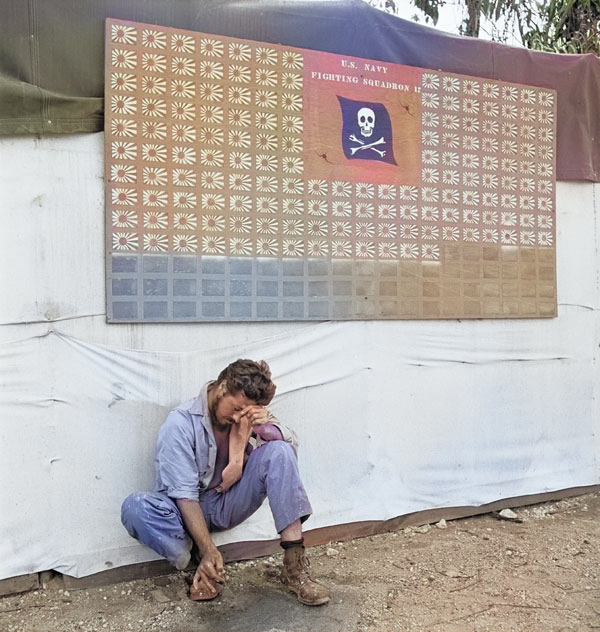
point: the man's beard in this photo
(221, 427)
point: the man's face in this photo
(228, 410)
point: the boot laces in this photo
(304, 569)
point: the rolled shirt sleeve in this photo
(268, 432)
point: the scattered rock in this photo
(540, 512)
(508, 514)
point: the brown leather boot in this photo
(295, 575)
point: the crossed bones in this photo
(362, 145)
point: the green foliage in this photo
(559, 26)
(565, 26)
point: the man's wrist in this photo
(205, 546)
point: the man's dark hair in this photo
(253, 378)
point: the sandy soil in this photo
(538, 573)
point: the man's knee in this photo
(152, 519)
(278, 457)
(131, 511)
(279, 450)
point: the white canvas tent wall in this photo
(394, 417)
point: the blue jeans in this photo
(271, 471)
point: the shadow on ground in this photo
(268, 609)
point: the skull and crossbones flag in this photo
(366, 131)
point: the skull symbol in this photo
(366, 121)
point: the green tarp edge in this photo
(29, 110)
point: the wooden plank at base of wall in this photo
(22, 583)
(143, 570)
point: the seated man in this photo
(217, 457)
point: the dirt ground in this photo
(540, 572)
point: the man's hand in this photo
(254, 415)
(257, 419)
(209, 573)
(211, 565)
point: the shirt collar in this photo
(201, 408)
